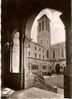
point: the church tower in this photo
(43, 37)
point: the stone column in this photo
(22, 59)
(26, 65)
(68, 70)
(22, 25)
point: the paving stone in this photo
(35, 93)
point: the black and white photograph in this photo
(35, 49)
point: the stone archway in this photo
(10, 21)
(28, 28)
(67, 23)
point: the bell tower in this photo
(43, 37)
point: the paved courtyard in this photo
(55, 80)
(35, 93)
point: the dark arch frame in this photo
(16, 18)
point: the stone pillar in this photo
(22, 40)
(26, 66)
(68, 70)
(23, 55)
(22, 59)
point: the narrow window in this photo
(35, 55)
(43, 56)
(50, 67)
(47, 54)
(29, 45)
(33, 67)
(62, 52)
(53, 54)
(39, 27)
(42, 25)
(28, 53)
(46, 25)
(35, 47)
(39, 55)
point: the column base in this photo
(68, 82)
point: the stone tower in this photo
(43, 37)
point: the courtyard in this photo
(54, 81)
(35, 93)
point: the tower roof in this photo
(44, 16)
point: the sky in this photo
(0, 20)
(56, 25)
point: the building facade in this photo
(36, 57)
(58, 56)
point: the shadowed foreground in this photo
(34, 93)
